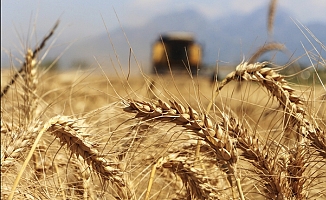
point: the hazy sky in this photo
(81, 18)
(84, 17)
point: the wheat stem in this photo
(29, 156)
(239, 188)
(150, 181)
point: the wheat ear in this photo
(83, 174)
(68, 132)
(271, 16)
(265, 160)
(194, 179)
(190, 119)
(20, 139)
(306, 128)
(30, 86)
(17, 142)
(202, 125)
(32, 55)
(291, 103)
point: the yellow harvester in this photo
(177, 50)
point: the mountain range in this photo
(227, 40)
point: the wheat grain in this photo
(64, 128)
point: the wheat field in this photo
(257, 134)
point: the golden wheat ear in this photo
(278, 87)
(67, 131)
(194, 179)
(271, 16)
(29, 59)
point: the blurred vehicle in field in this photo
(178, 50)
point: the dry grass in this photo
(167, 137)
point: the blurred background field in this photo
(228, 31)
